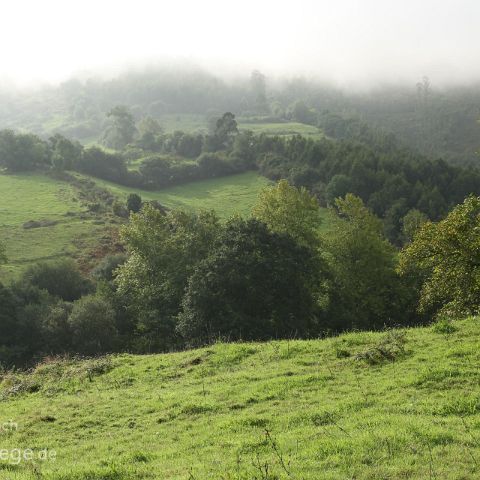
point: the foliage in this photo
(134, 203)
(106, 269)
(65, 153)
(411, 223)
(366, 291)
(60, 278)
(92, 323)
(444, 326)
(389, 179)
(287, 209)
(122, 129)
(255, 284)
(302, 113)
(163, 252)
(22, 152)
(99, 163)
(390, 347)
(444, 257)
(224, 133)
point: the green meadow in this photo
(198, 123)
(330, 409)
(226, 195)
(282, 129)
(73, 232)
(25, 198)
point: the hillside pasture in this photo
(333, 409)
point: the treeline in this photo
(162, 159)
(395, 183)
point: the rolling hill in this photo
(389, 405)
(43, 218)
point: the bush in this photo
(214, 165)
(60, 278)
(105, 270)
(445, 326)
(134, 203)
(390, 347)
(92, 323)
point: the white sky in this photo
(350, 41)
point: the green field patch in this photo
(60, 228)
(290, 405)
(226, 195)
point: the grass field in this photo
(283, 129)
(39, 198)
(226, 195)
(198, 123)
(279, 410)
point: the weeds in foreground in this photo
(390, 347)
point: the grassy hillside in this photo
(67, 230)
(282, 129)
(226, 195)
(236, 411)
(198, 123)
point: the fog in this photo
(349, 42)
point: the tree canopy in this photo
(445, 257)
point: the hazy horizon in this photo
(350, 43)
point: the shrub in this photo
(60, 278)
(390, 347)
(92, 322)
(134, 203)
(444, 325)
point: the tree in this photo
(106, 270)
(134, 203)
(164, 250)
(213, 165)
(259, 91)
(291, 210)
(56, 330)
(367, 293)
(445, 256)
(60, 278)
(149, 125)
(122, 129)
(302, 113)
(338, 187)
(243, 155)
(411, 224)
(8, 327)
(150, 134)
(225, 130)
(65, 153)
(99, 163)
(255, 284)
(92, 323)
(22, 152)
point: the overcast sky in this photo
(348, 41)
